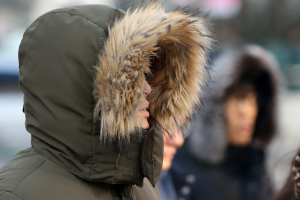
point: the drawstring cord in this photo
(120, 151)
(117, 162)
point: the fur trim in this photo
(208, 141)
(173, 47)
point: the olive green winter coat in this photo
(82, 74)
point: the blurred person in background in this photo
(86, 73)
(224, 157)
(165, 184)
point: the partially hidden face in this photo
(171, 144)
(143, 108)
(241, 114)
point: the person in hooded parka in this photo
(224, 157)
(86, 73)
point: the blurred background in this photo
(272, 24)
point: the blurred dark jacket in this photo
(207, 167)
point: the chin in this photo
(166, 165)
(242, 143)
(145, 124)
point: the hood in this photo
(82, 72)
(208, 140)
(172, 48)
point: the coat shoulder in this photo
(29, 175)
(9, 196)
(18, 168)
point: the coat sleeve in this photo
(9, 196)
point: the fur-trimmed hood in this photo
(208, 141)
(82, 72)
(172, 48)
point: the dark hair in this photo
(253, 76)
(240, 91)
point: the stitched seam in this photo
(64, 12)
(12, 193)
(92, 138)
(72, 171)
(29, 174)
(62, 166)
(92, 163)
